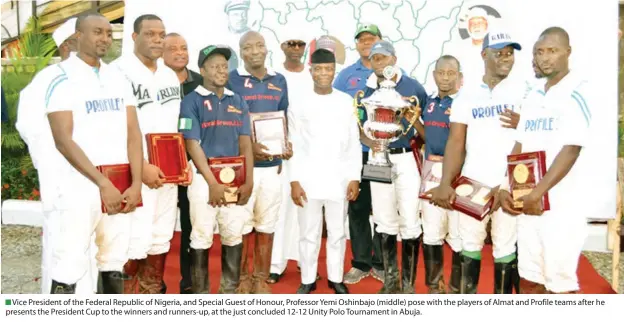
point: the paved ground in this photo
(21, 261)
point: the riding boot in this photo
(262, 263)
(244, 284)
(131, 271)
(62, 288)
(470, 270)
(151, 274)
(504, 277)
(200, 280)
(230, 268)
(391, 283)
(434, 273)
(113, 282)
(454, 281)
(409, 263)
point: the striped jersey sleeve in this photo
(577, 117)
(58, 94)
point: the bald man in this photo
(264, 90)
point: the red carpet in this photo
(591, 281)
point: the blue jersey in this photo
(435, 116)
(215, 123)
(407, 87)
(269, 94)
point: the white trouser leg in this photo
(310, 219)
(142, 222)
(563, 235)
(111, 238)
(336, 244)
(472, 232)
(265, 200)
(203, 215)
(453, 238)
(504, 234)
(164, 220)
(434, 222)
(278, 256)
(530, 252)
(231, 220)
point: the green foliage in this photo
(19, 178)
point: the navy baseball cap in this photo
(211, 50)
(383, 47)
(499, 40)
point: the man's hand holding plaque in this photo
(230, 173)
(131, 198)
(442, 196)
(117, 193)
(524, 171)
(153, 177)
(244, 192)
(269, 135)
(473, 198)
(431, 175)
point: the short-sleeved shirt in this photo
(98, 98)
(157, 95)
(435, 116)
(217, 123)
(269, 94)
(551, 120)
(406, 87)
(487, 142)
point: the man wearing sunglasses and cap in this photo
(482, 133)
(34, 129)
(215, 123)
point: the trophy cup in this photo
(385, 109)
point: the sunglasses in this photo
(296, 44)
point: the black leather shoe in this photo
(274, 278)
(306, 288)
(338, 288)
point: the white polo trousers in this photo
(231, 218)
(549, 247)
(265, 201)
(396, 206)
(504, 234)
(153, 224)
(439, 223)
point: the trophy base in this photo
(376, 173)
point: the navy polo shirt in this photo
(435, 117)
(269, 94)
(407, 87)
(215, 123)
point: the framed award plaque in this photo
(120, 176)
(231, 172)
(524, 171)
(431, 175)
(168, 152)
(270, 129)
(471, 198)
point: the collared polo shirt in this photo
(407, 87)
(217, 123)
(269, 94)
(435, 117)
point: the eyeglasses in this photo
(296, 44)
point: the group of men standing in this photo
(82, 113)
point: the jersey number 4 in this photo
(248, 83)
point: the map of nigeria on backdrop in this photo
(442, 27)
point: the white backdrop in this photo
(423, 30)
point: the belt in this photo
(399, 150)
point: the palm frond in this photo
(25, 163)
(11, 140)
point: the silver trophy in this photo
(385, 109)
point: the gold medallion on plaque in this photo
(227, 175)
(521, 173)
(464, 190)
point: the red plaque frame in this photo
(232, 169)
(524, 172)
(120, 176)
(468, 191)
(167, 151)
(431, 175)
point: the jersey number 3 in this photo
(248, 83)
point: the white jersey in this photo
(551, 120)
(157, 95)
(327, 154)
(98, 100)
(487, 142)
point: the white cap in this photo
(477, 12)
(66, 30)
(294, 34)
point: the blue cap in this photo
(383, 47)
(499, 40)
